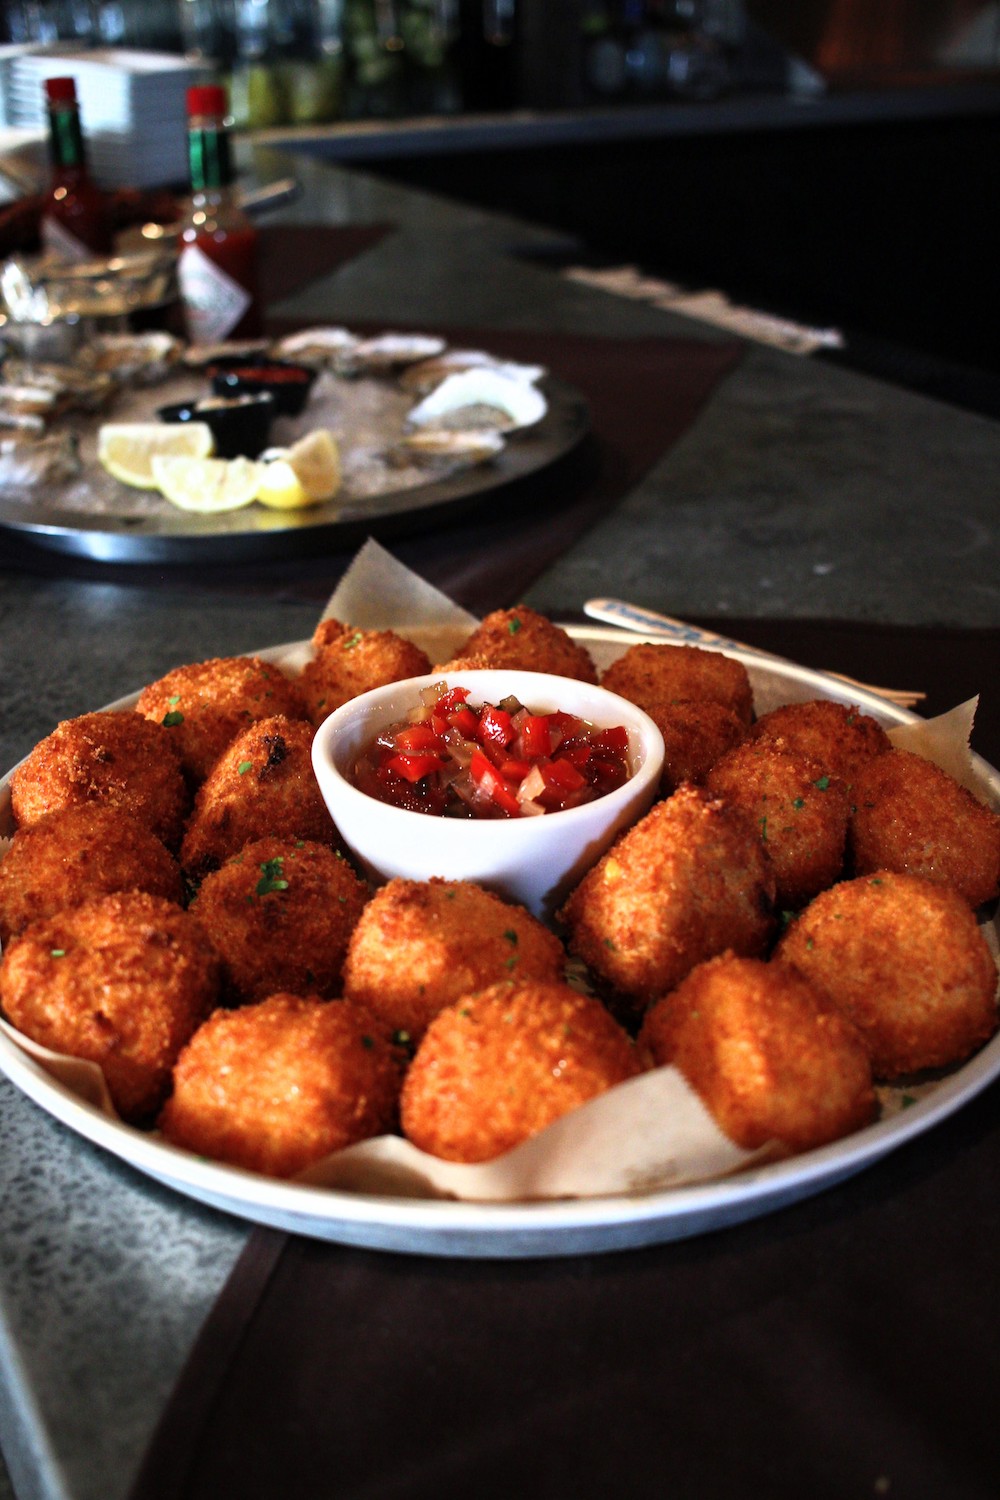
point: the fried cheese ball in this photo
(910, 815)
(116, 759)
(76, 855)
(496, 1067)
(906, 962)
(525, 641)
(689, 880)
(206, 705)
(348, 662)
(839, 737)
(800, 813)
(122, 981)
(262, 785)
(768, 1056)
(695, 736)
(280, 914)
(274, 1087)
(660, 673)
(419, 945)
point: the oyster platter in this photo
(139, 447)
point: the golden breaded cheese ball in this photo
(281, 913)
(205, 705)
(115, 759)
(906, 961)
(263, 785)
(798, 809)
(122, 981)
(659, 673)
(497, 1067)
(276, 1086)
(523, 640)
(910, 815)
(76, 855)
(769, 1057)
(348, 661)
(419, 945)
(689, 880)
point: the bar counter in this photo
(819, 512)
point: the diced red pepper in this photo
(514, 769)
(464, 720)
(495, 726)
(413, 767)
(489, 780)
(416, 737)
(563, 774)
(614, 741)
(451, 699)
(536, 736)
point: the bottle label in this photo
(213, 301)
(60, 244)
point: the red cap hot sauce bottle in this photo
(76, 221)
(217, 264)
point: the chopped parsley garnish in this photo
(352, 641)
(272, 878)
(514, 625)
(244, 766)
(173, 716)
(822, 784)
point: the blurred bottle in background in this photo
(76, 222)
(218, 246)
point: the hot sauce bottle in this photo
(76, 219)
(217, 264)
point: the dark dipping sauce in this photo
(452, 759)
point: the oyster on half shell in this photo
(480, 399)
(386, 352)
(142, 358)
(422, 377)
(441, 448)
(317, 346)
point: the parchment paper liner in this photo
(644, 1135)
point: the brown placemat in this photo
(292, 256)
(842, 1346)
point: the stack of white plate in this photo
(132, 107)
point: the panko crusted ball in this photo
(116, 759)
(275, 1086)
(769, 1057)
(280, 914)
(799, 810)
(911, 816)
(497, 1067)
(689, 880)
(205, 705)
(419, 945)
(659, 673)
(76, 855)
(906, 961)
(262, 786)
(526, 641)
(838, 736)
(348, 661)
(122, 981)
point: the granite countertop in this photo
(803, 491)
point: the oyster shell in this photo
(198, 356)
(386, 352)
(26, 462)
(68, 386)
(422, 377)
(319, 346)
(480, 399)
(451, 450)
(140, 358)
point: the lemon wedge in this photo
(315, 459)
(307, 473)
(207, 485)
(127, 449)
(279, 487)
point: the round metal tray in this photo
(256, 532)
